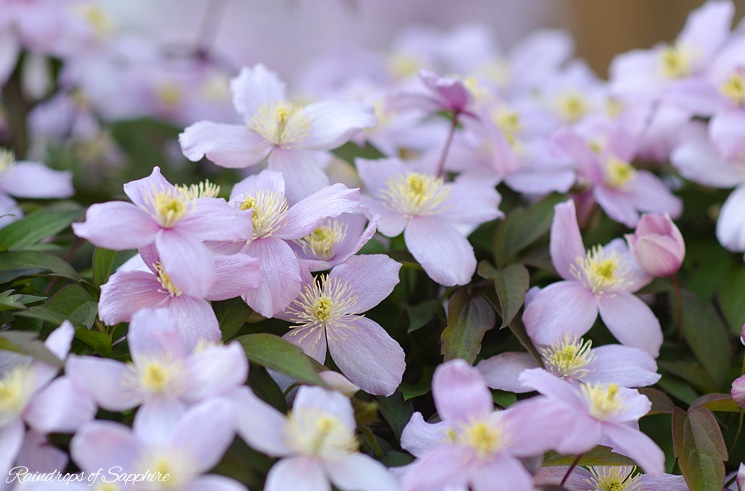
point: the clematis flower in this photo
(738, 391)
(165, 371)
(427, 210)
(622, 478)
(600, 280)
(291, 136)
(475, 447)
(127, 292)
(328, 310)
(599, 411)
(316, 442)
(657, 245)
(574, 360)
(176, 219)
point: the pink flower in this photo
(600, 280)
(610, 477)
(176, 219)
(328, 313)
(657, 245)
(738, 390)
(598, 411)
(431, 214)
(475, 447)
(316, 442)
(293, 137)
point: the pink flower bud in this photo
(657, 245)
(741, 477)
(738, 391)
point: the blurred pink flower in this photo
(657, 245)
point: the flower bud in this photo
(738, 391)
(657, 245)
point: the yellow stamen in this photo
(311, 431)
(403, 65)
(412, 193)
(170, 95)
(159, 374)
(281, 124)
(734, 88)
(165, 281)
(324, 302)
(614, 478)
(603, 401)
(269, 211)
(16, 386)
(482, 437)
(618, 173)
(321, 242)
(675, 62)
(569, 359)
(572, 105)
(601, 270)
(204, 189)
(169, 207)
(7, 159)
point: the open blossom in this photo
(293, 138)
(127, 292)
(316, 443)
(176, 219)
(428, 210)
(600, 280)
(574, 360)
(474, 446)
(165, 371)
(328, 313)
(620, 478)
(657, 245)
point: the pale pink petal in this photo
(635, 405)
(311, 339)
(367, 355)
(370, 277)
(360, 472)
(237, 274)
(539, 180)
(60, 339)
(707, 28)
(104, 380)
(206, 431)
(259, 424)
(446, 256)
(267, 180)
(39, 456)
(215, 370)
(539, 424)
(142, 191)
(555, 388)
(334, 123)
(298, 474)
(638, 446)
(9, 50)
(189, 263)
(325, 401)
(631, 321)
(472, 203)
(663, 482)
(502, 372)
(444, 467)
(622, 365)
(391, 222)
(60, 408)
(34, 180)
(9, 210)
(375, 173)
(254, 87)
(460, 392)
(117, 225)
(573, 145)
(227, 145)
(301, 170)
(213, 219)
(731, 223)
(103, 445)
(281, 281)
(127, 292)
(196, 320)
(504, 473)
(727, 136)
(311, 212)
(619, 205)
(652, 196)
(154, 332)
(214, 483)
(11, 438)
(559, 309)
(566, 241)
(420, 437)
(157, 419)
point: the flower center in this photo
(16, 386)
(618, 173)
(281, 124)
(675, 62)
(165, 281)
(157, 375)
(601, 270)
(7, 159)
(269, 211)
(412, 193)
(603, 401)
(169, 95)
(204, 189)
(734, 87)
(613, 478)
(311, 431)
(169, 468)
(324, 302)
(482, 437)
(169, 207)
(569, 359)
(572, 106)
(321, 242)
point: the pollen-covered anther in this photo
(311, 431)
(165, 281)
(281, 123)
(179, 466)
(572, 105)
(570, 358)
(482, 436)
(169, 207)
(601, 270)
(7, 159)
(321, 242)
(326, 303)
(603, 401)
(675, 62)
(269, 211)
(618, 173)
(412, 193)
(734, 87)
(614, 478)
(158, 374)
(204, 189)
(16, 387)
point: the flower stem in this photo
(571, 468)
(739, 430)
(446, 148)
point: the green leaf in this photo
(717, 402)
(707, 336)
(700, 448)
(38, 261)
(99, 341)
(273, 352)
(600, 455)
(677, 388)
(75, 303)
(27, 343)
(503, 398)
(105, 262)
(395, 411)
(691, 372)
(730, 300)
(522, 227)
(231, 315)
(468, 319)
(35, 227)
(661, 403)
(512, 284)
(11, 301)
(422, 313)
(421, 387)
(266, 388)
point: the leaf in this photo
(691, 372)
(661, 403)
(231, 315)
(422, 313)
(10, 275)
(512, 284)
(421, 387)
(717, 402)
(677, 388)
(99, 341)
(600, 455)
(266, 388)
(707, 336)
(105, 262)
(700, 448)
(395, 411)
(468, 319)
(75, 303)
(35, 227)
(521, 227)
(39, 261)
(11, 301)
(275, 353)
(730, 300)
(27, 343)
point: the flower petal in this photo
(254, 87)
(631, 321)
(420, 437)
(460, 392)
(301, 170)
(227, 145)
(334, 123)
(298, 474)
(280, 271)
(638, 446)
(446, 256)
(34, 180)
(360, 472)
(60, 408)
(371, 277)
(196, 320)
(504, 473)
(622, 365)
(237, 274)
(117, 225)
(189, 263)
(566, 241)
(126, 292)
(559, 309)
(731, 223)
(503, 371)
(215, 370)
(104, 445)
(259, 424)
(311, 212)
(206, 431)
(104, 380)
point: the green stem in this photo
(737, 433)
(444, 155)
